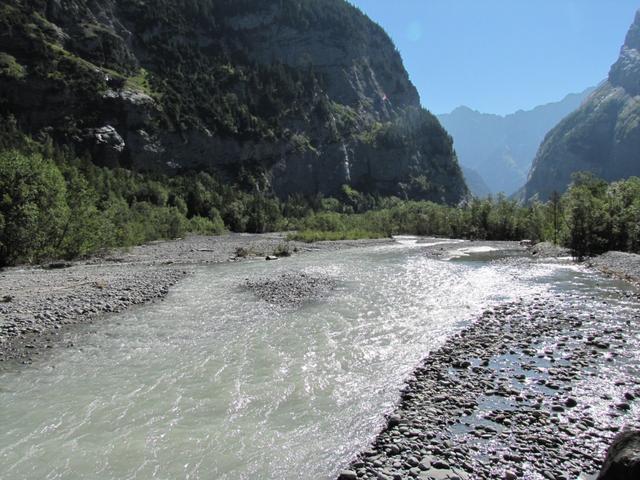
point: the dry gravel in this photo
(37, 304)
(621, 265)
(291, 289)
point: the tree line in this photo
(54, 204)
(592, 217)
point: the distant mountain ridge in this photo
(477, 186)
(501, 148)
(602, 136)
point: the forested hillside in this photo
(309, 94)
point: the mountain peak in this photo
(633, 36)
(463, 109)
(500, 148)
(625, 72)
(602, 136)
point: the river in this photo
(213, 383)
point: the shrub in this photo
(282, 250)
(33, 207)
(206, 226)
(310, 236)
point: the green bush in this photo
(67, 207)
(282, 250)
(601, 216)
(310, 236)
(33, 207)
(213, 225)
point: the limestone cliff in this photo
(311, 93)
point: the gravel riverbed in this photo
(625, 266)
(38, 303)
(515, 395)
(533, 390)
(290, 289)
(520, 393)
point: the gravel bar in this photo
(531, 390)
(291, 289)
(625, 266)
(38, 303)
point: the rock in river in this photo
(623, 458)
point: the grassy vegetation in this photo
(590, 218)
(9, 67)
(310, 236)
(60, 53)
(282, 250)
(141, 83)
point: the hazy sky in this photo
(498, 56)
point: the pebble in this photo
(468, 411)
(347, 475)
(290, 288)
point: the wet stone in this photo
(488, 419)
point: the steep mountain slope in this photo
(477, 185)
(501, 148)
(307, 94)
(602, 136)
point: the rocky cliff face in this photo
(602, 136)
(310, 93)
(502, 148)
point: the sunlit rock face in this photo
(309, 94)
(602, 136)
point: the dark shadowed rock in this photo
(571, 402)
(347, 475)
(623, 458)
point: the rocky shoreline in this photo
(505, 398)
(625, 266)
(532, 390)
(37, 304)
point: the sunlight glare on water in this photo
(213, 383)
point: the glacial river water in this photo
(214, 384)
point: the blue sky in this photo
(498, 56)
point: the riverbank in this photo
(518, 394)
(505, 386)
(625, 266)
(38, 303)
(532, 390)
